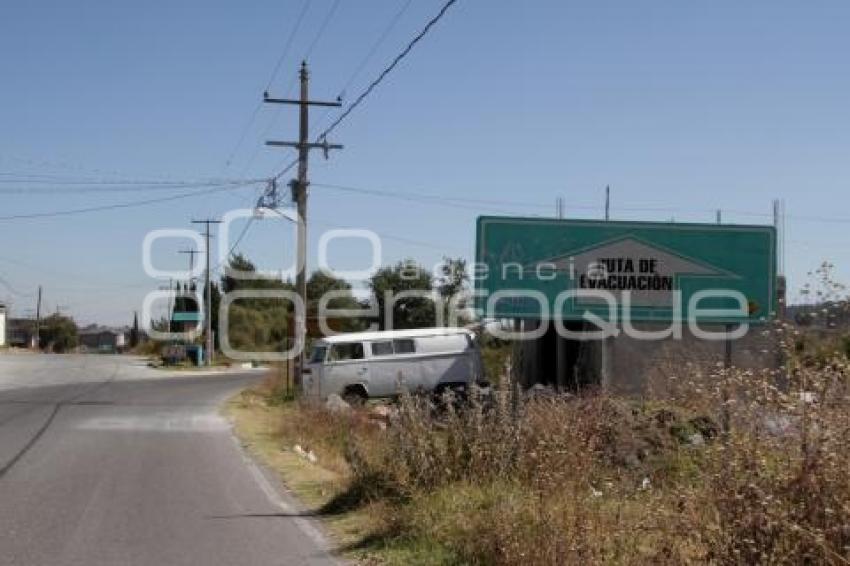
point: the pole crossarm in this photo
(331, 103)
(310, 145)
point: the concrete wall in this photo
(647, 367)
(626, 365)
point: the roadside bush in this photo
(778, 484)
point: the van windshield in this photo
(318, 355)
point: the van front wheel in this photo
(355, 395)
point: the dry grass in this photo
(727, 468)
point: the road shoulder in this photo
(304, 486)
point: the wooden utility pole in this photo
(208, 298)
(299, 194)
(38, 320)
(192, 254)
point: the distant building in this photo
(95, 338)
(20, 332)
(2, 325)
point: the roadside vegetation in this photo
(728, 467)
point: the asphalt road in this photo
(104, 461)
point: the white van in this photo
(360, 365)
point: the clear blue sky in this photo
(681, 106)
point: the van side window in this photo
(318, 354)
(404, 346)
(382, 348)
(350, 351)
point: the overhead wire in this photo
(398, 58)
(304, 8)
(115, 206)
(390, 26)
(319, 34)
(253, 116)
(430, 197)
(383, 75)
(460, 202)
(70, 187)
(239, 239)
(377, 44)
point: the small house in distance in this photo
(95, 338)
(20, 332)
(2, 325)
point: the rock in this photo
(381, 412)
(336, 404)
(645, 484)
(696, 439)
(705, 426)
(311, 457)
(540, 391)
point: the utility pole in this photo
(192, 254)
(170, 303)
(779, 225)
(299, 194)
(208, 298)
(38, 320)
(607, 202)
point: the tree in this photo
(407, 312)
(58, 333)
(451, 283)
(237, 263)
(134, 331)
(319, 285)
(255, 324)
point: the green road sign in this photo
(549, 268)
(191, 316)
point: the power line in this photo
(388, 69)
(319, 34)
(256, 110)
(390, 26)
(430, 197)
(44, 163)
(368, 57)
(14, 291)
(288, 44)
(386, 236)
(106, 187)
(459, 202)
(130, 204)
(322, 29)
(398, 58)
(235, 244)
(286, 169)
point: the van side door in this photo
(392, 367)
(346, 365)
